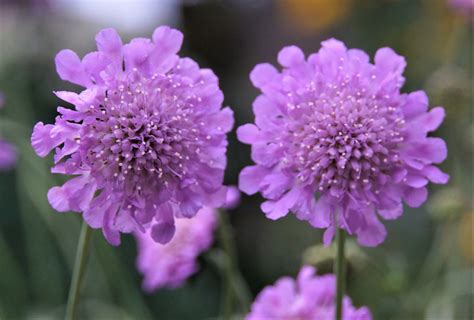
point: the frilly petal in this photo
(432, 120)
(431, 150)
(111, 234)
(69, 68)
(162, 232)
(169, 40)
(251, 177)
(42, 141)
(393, 213)
(389, 64)
(248, 133)
(136, 54)
(416, 104)
(374, 232)
(263, 74)
(415, 197)
(75, 195)
(277, 209)
(435, 175)
(290, 56)
(167, 43)
(109, 42)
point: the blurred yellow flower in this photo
(450, 86)
(466, 240)
(447, 203)
(314, 15)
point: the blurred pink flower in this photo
(8, 155)
(310, 297)
(169, 265)
(466, 7)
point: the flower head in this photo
(7, 151)
(146, 139)
(336, 143)
(7, 155)
(310, 297)
(170, 264)
(466, 7)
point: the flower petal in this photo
(135, 54)
(388, 62)
(163, 232)
(415, 104)
(290, 56)
(69, 68)
(416, 181)
(248, 133)
(263, 74)
(42, 141)
(393, 213)
(373, 234)
(74, 195)
(431, 150)
(110, 233)
(329, 235)
(276, 209)
(435, 175)
(415, 197)
(432, 120)
(251, 177)
(109, 42)
(167, 43)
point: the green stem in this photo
(340, 270)
(79, 270)
(235, 289)
(226, 240)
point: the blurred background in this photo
(422, 270)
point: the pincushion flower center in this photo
(343, 144)
(140, 131)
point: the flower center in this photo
(341, 139)
(141, 132)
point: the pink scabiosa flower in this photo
(146, 139)
(7, 155)
(466, 7)
(337, 143)
(169, 265)
(310, 297)
(7, 151)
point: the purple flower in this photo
(7, 155)
(7, 151)
(310, 297)
(146, 139)
(465, 7)
(169, 265)
(336, 143)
